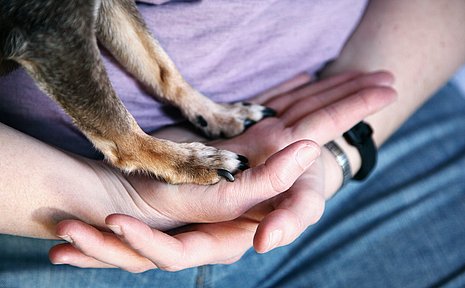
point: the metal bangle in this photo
(342, 160)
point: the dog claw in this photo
(248, 123)
(226, 174)
(268, 112)
(243, 166)
(243, 159)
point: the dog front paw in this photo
(178, 163)
(201, 164)
(228, 120)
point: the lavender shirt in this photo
(230, 50)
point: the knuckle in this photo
(65, 227)
(365, 97)
(235, 212)
(278, 183)
(333, 115)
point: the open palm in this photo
(268, 205)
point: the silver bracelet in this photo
(342, 160)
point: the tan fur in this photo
(140, 53)
(65, 61)
(175, 162)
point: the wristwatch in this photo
(359, 136)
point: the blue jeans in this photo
(403, 227)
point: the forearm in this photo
(421, 42)
(40, 185)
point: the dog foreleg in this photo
(66, 63)
(122, 30)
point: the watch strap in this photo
(359, 136)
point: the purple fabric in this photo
(229, 50)
(156, 2)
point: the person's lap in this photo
(403, 227)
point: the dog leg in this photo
(121, 29)
(65, 62)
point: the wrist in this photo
(358, 145)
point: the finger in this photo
(329, 122)
(229, 200)
(304, 104)
(188, 249)
(281, 103)
(287, 86)
(276, 175)
(68, 254)
(302, 206)
(103, 247)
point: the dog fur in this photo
(55, 41)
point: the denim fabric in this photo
(403, 227)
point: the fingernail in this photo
(57, 263)
(306, 155)
(116, 229)
(67, 238)
(275, 238)
(387, 82)
(387, 79)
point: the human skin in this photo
(391, 36)
(46, 177)
(421, 42)
(330, 100)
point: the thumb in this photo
(277, 174)
(229, 200)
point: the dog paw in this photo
(207, 165)
(178, 163)
(228, 120)
(200, 164)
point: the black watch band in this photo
(360, 137)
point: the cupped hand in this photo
(320, 111)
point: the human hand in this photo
(325, 102)
(288, 164)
